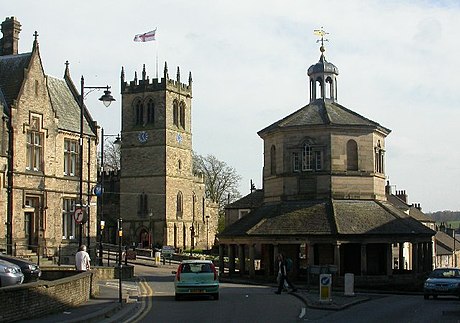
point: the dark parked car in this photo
(30, 270)
(442, 281)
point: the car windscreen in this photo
(196, 268)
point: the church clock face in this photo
(142, 137)
(179, 138)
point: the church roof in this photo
(250, 201)
(323, 113)
(325, 218)
(12, 75)
(66, 107)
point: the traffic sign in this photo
(78, 215)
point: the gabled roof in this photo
(327, 217)
(65, 106)
(324, 113)
(250, 201)
(446, 241)
(12, 75)
(413, 211)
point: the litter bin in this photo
(157, 257)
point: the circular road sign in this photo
(78, 215)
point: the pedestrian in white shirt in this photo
(82, 259)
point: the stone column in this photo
(389, 260)
(231, 259)
(430, 251)
(337, 257)
(401, 255)
(221, 259)
(275, 258)
(363, 259)
(241, 259)
(311, 254)
(414, 258)
(252, 252)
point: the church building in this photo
(161, 201)
(323, 201)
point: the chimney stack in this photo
(9, 43)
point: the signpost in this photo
(167, 251)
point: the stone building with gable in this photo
(162, 202)
(324, 200)
(39, 154)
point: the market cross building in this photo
(324, 200)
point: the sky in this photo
(398, 63)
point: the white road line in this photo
(302, 312)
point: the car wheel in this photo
(426, 296)
(177, 297)
(216, 296)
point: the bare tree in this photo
(221, 180)
(112, 155)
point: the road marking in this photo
(146, 305)
(302, 312)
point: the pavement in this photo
(106, 307)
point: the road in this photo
(237, 303)
(249, 303)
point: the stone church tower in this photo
(162, 202)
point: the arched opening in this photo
(175, 113)
(273, 160)
(352, 155)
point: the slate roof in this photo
(413, 211)
(326, 217)
(323, 113)
(12, 75)
(66, 107)
(250, 201)
(445, 241)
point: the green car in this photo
(196, 277)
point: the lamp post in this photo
(150, 229)
(207, 232)
(117, 142)
(120, 236)
(107, 98)
(101, 255)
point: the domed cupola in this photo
(323, 82)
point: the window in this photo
(175, 113)
(273, 160)
(306, 158)
(179, 205)
(143, 205)
(296, 162)
(68, 222)
(379, 158)
(70, 157)
(318, 160)
(150, 112)
(139, 113)
(352, 155)
(182, 115)
(34, 148)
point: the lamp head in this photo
(107, 98)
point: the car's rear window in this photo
(196, 268)
(448, 273)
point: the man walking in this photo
(82, 259)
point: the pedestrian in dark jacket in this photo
(282, 275)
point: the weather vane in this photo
(321, 32)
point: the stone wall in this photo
(60, 288)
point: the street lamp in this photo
(117, 142)
(150, 229)
(107, 98)
(207, 232)
(120, 236)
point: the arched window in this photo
(273, 160)
(150, 111)
(176, 113)
(139, 113)
(143, 205)
(179, 205)
(319, 88)
(182, 115)
(352, 155)
(307, 158)
(179, 165)
(379, 158)
(329, 89)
